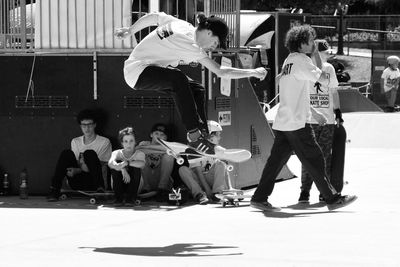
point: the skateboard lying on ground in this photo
(94, 196)
(232, 197)
(178, 150)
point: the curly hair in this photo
(297, 36)
(124, 132)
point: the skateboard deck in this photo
(94, 197)
(177, 150)
(338, 157)
(232, 197)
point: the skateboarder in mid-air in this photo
(152, 65)
(292, 132)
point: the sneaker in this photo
(118, 203)
(263, 205)
(162, 196)
(304, 197)
(341, 202)
(132, 203)
(203, 145)
(100, 190)
(54, 195)
(202, 199)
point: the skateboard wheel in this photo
(237, 204)
(229, 168)
(224, 204)
(63, 196)
(180, 161)
(138, 202)
(169, 152)
(92, 201)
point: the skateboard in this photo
(338, 157)
(232, 197)
(178, 150)
(94, 197)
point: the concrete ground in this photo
(75, 233)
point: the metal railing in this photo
(71, 26)
(372, 31)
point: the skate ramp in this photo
(372, 129)
(351, 100)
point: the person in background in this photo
(324, 99)
(207, 176)
(82, 163)
(126, 165)
(160, 169)
(390, 82)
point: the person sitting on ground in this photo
(160, 169)
(390, 82)
(126, 165)
(82, 164)
(207, 176)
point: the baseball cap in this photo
(323, 45)
(219, 28)
(159, 127)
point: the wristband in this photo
(338, 115)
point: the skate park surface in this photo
(366, 233)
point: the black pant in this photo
(83, 181)
(303, 143)
(189, 95)
(130, 189)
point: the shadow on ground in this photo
(175, 250)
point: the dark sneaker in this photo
(263, 205)
(203, 145)
(202, 199)
(341, 202)
(304, 197)
(321, 199)
(118, 203)
(100, 190)
(54, 195)
(162, 196)
(132, 203)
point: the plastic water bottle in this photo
(23, 187)
(6, 185)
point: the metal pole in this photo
(340, 31)
(23, 24)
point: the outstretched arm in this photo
(147, 20)
(232, 73)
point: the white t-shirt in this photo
(321, 95)
(171, 44)
(294, 92)
(390, 77)
(101, 145)
(119, 155)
